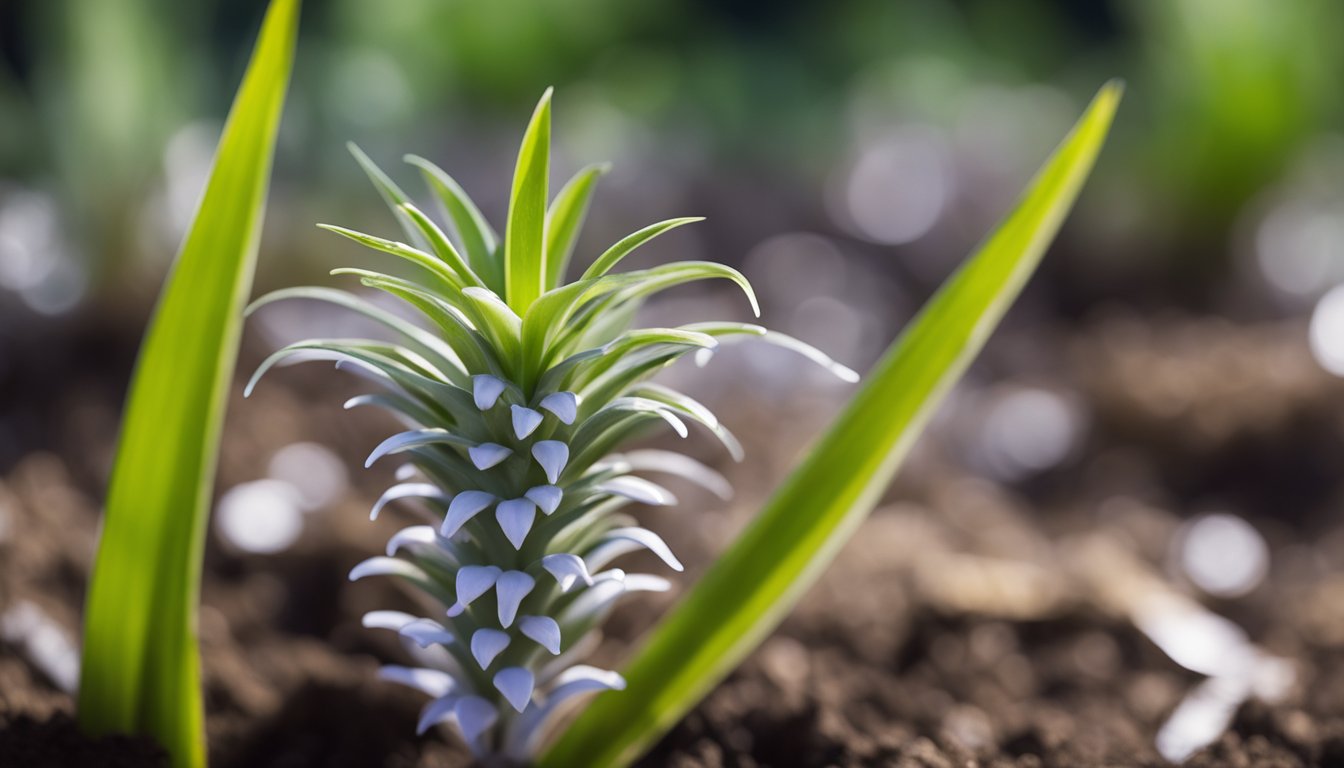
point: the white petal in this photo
(405, 472)
(510, 590)
(515, 518)
(649, 540)
(567, 569)
(416, 534)
(703, 356)
(546, 497)
(434, 682)
(552, 455)
(475, 716)
(435, 712)
(638, 489)
(486, 644)
(487, 455)
(464, 506)
(426, 632)
(385, 566)
(525, 421)
(542, 629)
(405, 490)
(565, 405)
(525, 736)
(485, 390)
(474, 581)
(386, 620)
(516, 685)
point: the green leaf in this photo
(434, 349)
(391, 194)
(753, 586)
(621, 249)
(141, 670)
(565, 217)
(525, 235)
(478, 238)
(415, 256)
(749, 330)
(496, 322)
(440, 243)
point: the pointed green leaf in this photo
(478, 238)
(416, 256)
(391, 194)
(613, 255)
(565, 218)
(730, 329)
(525, 235)
(440, 243)
(753, 586)
(141, 669)
(441, 354)
(497, 322)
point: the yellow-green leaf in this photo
(752, 587)
(141, 670)
(525, 231)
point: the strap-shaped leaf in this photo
(634, 347)
(401, 250)
(611, 425)
(693, 409)
(442, 355)
(140, 670)
(564, 219)
(497, 321)
(525, 233)
(478, 238)
(631, 287)
(547, 316)
(457, 329)
(391, 194)
(758, 580)
(391, 367)
(750, 330)
(613, 255)
(628, 370)
(441, 245)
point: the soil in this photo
(969, 623)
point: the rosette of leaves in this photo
(517, 389)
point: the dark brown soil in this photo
(57, 742)
(959, 628)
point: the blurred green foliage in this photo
(1224, 93)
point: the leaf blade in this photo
(473, 231)
(748, 591)
(141, 669)
(525, 232)
(564, 219)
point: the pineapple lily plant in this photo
(515, 404)
(517, 390)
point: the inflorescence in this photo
(514, 410)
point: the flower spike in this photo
(510, 331)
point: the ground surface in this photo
(968, 624)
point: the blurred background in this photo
(1166, 388)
